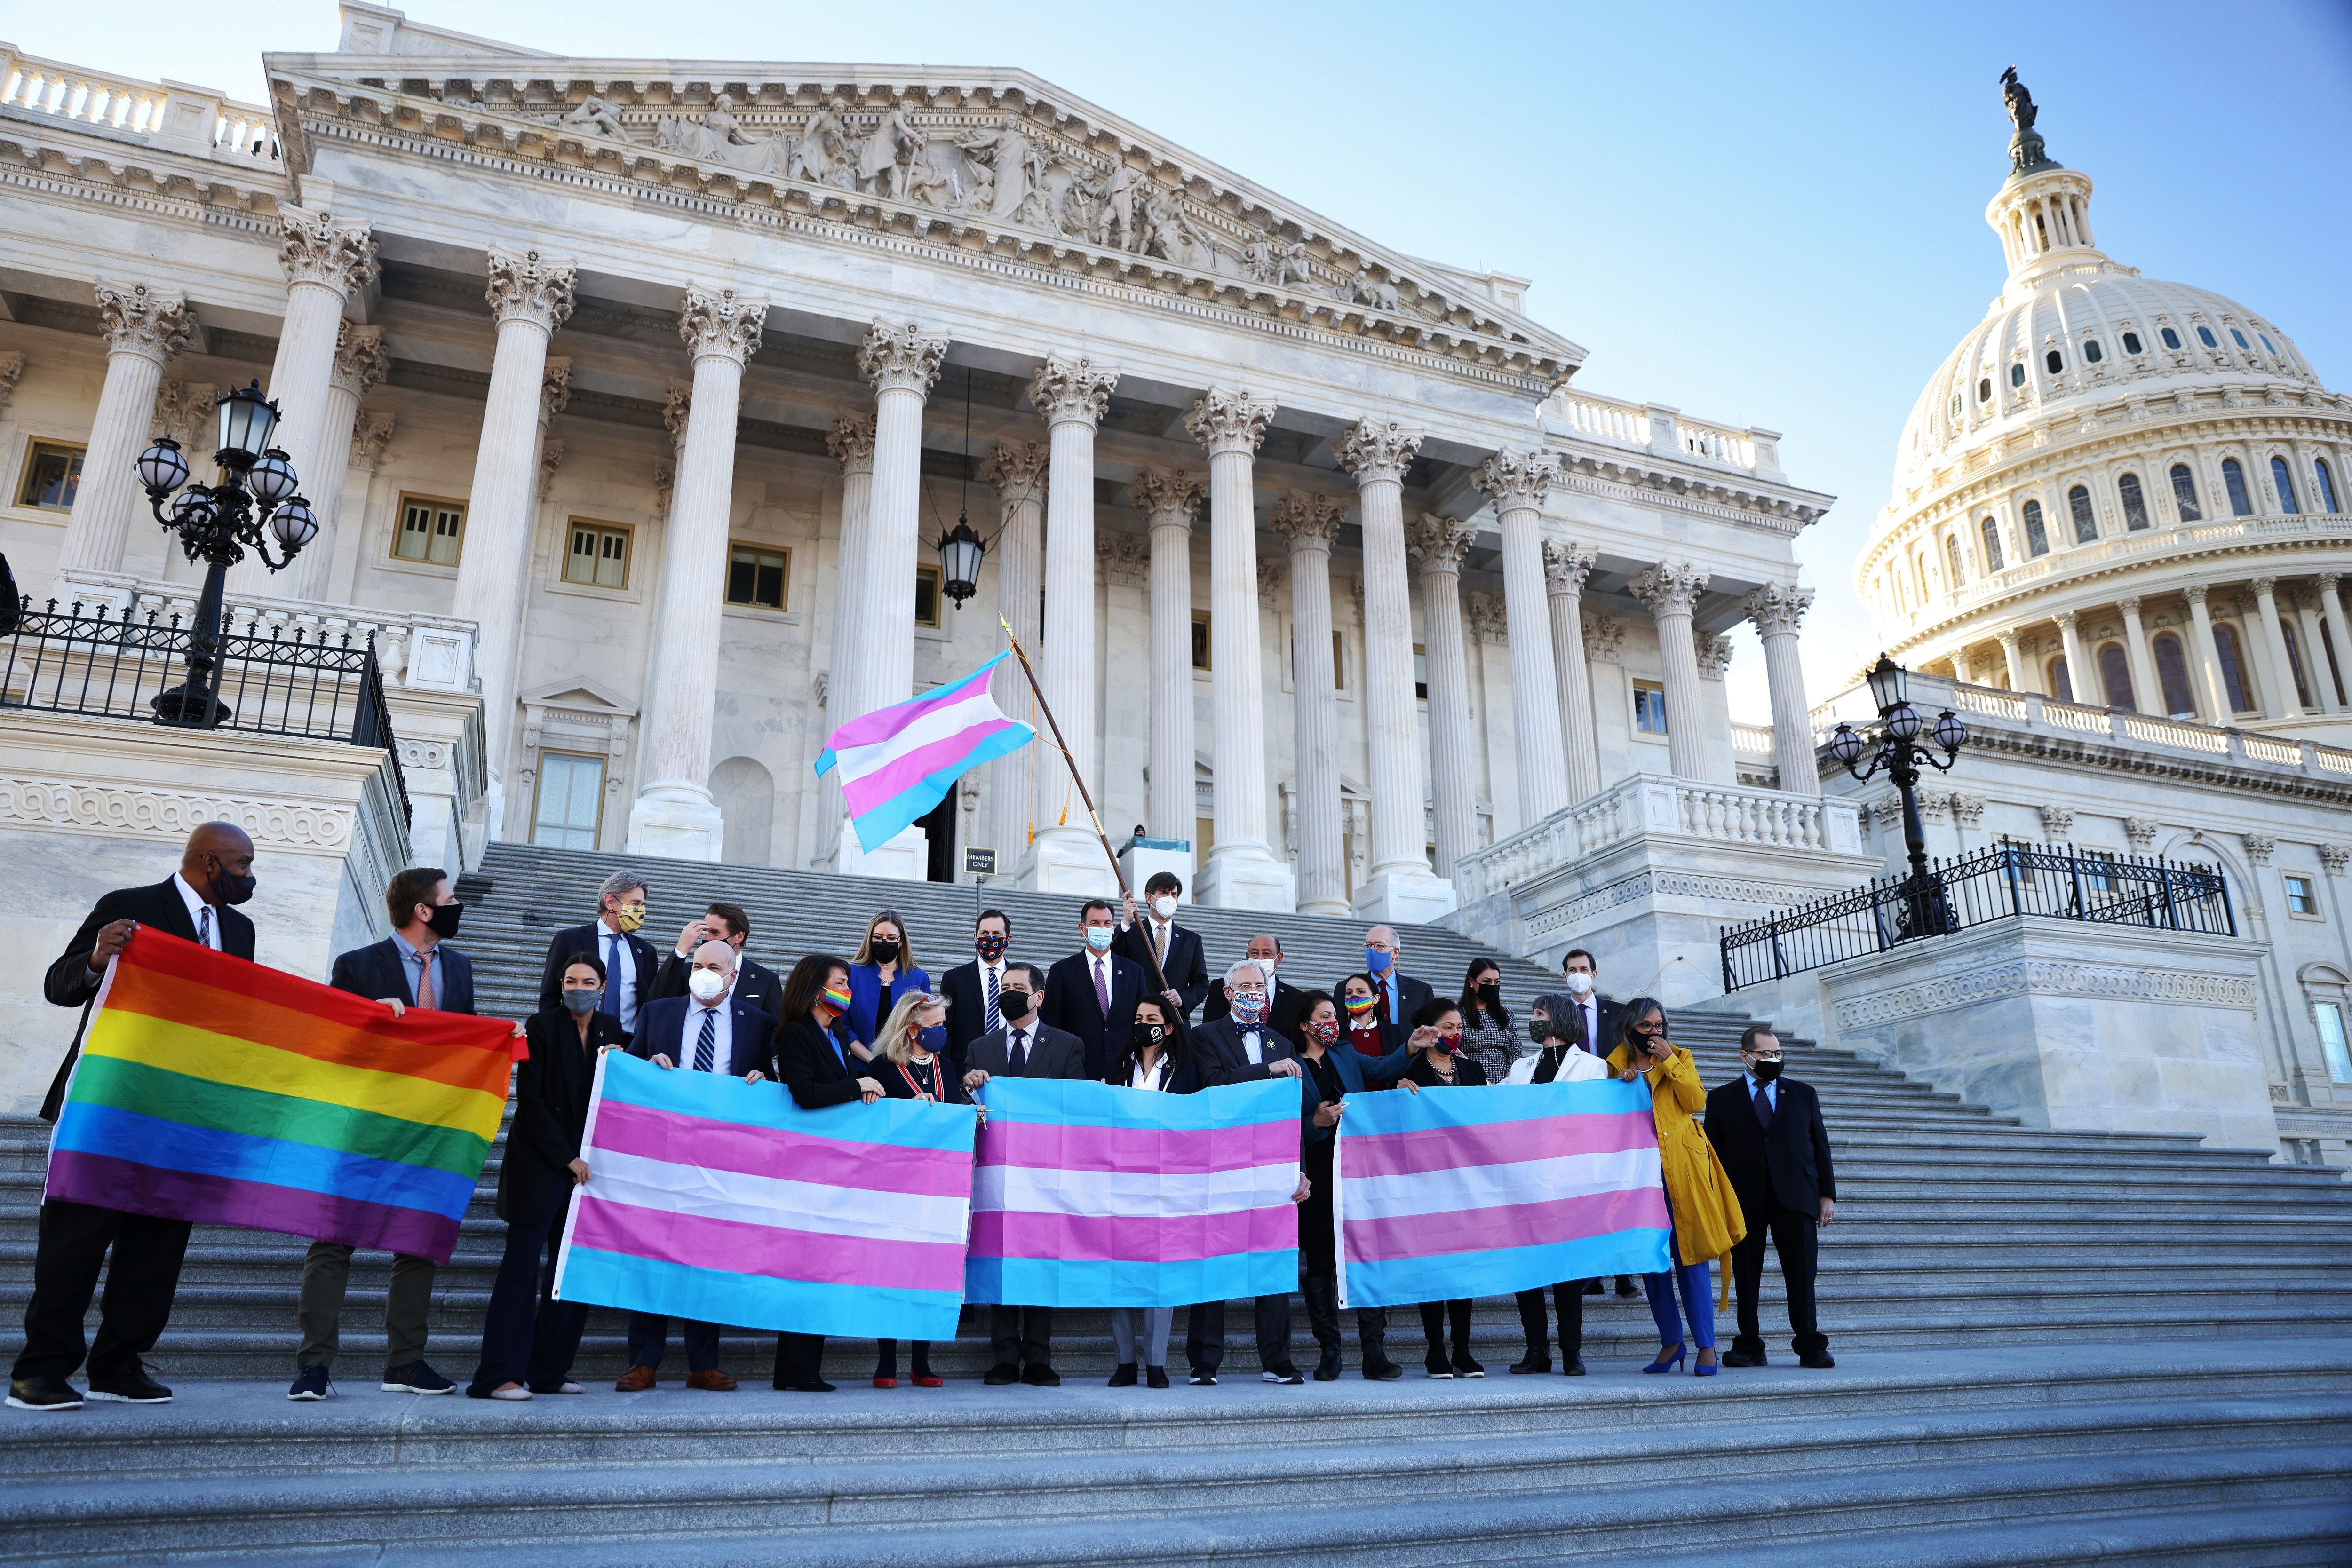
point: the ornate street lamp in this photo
(1899, 755)
(959, 548)
(255, 505)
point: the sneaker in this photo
(416, 1377)
(131, 1387)
(1464, 1366)
(43, 1391)
(1286, 1375)
(1198, 1380)
(312, 1383)
(1438, 1367)
(510, 1391)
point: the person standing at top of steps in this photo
(415, 966)
(754, 983)
(1154, 934)
(1282, 1013)
(883, 970)
(215, 871)
(1599, 1018)
(975, 990)
(1092, 993)
(1401, 997)
(1767, 1131)
(817, 1067)
(628, 958)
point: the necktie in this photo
(1102, 988)
(1160, 943)
(702, 1047)
(611, 1005)
(1020, 1057)
(995, 1020)
(205, 923)
(1763, 1107)
(424, 979)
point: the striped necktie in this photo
(703, 1047)
(995, 1020)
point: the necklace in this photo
(938, 1083)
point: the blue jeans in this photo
(1698, 1301)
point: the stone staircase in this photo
(2053, 1347)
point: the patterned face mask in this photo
(990, 947)
(628, 916)
(1324, 1033)
(1360, 1007)
(836, 999)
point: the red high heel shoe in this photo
(931, 1383)
(886, 1383)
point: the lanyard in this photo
(938, 1083)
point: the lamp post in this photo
(253, 504)
(1898, 755)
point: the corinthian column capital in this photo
(361, 363)
(900, 359)
(1669, 588)
(851, 442)
(1229, 422)
(137, 319)
(1015, 469)
(314, 248)
(1779, 607)
(1566, 566)
(1310, 522)
(1168, 495)
(528, 287)
(1517, 481)
(1070, 391)
(554, 389)
(1377, 449)
(721, 322)
(1439, 543)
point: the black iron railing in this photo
(2007, 881)
(266, 678)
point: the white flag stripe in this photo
(1138, 1194)
(776, 1204)
(976, 708)
(1489, 1187)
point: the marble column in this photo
(2286, 702)
(1439, 543)
(2316, 673)
(1242, 871)
(1778, 610)
(1310, 523)
(1672, 588)
(1017, 470)
(360, 364)
(2013, 660)
(1168, 499)
(2331, 606)
(1566, 568)
(851, 442)
(1399, 884)
(2082, 678)
(529, 296)
(674, 815)
(2148, 693)
(1072, 393)
(1516, 483)
(2211, 684)
(143, 329)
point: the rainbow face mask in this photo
(838, 1001)
(1360, 1007)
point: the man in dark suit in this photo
(710, 1029)
(1401, 996)
(412, 968)
(215, 872)
(1153, 933)
(1242, 1048)
(1023, 1337)
(1768, 1132)
(754, 982)
(1598, 1016)
(1092, 993)
(1266, 952)
(630, 961)
(973, 990)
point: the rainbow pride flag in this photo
(1090, 1195)
(215, 1090)
(898, 762)
(1481, 1192)
(709, 1197)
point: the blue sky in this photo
(1759, 215)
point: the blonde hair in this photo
(893, 1038)
(906, 942)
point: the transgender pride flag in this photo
(1089, 1196)
(897, 763)
(1482, 1192)
(709, 1197)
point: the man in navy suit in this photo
(630, 961)
(412, 968)
(215, 872)
(1093, 992)
(974, 990)
(754, 982)
(1152, 933)
(1769, 1132)
(711, 1030)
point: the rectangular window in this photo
(927, 596)
(2330, 1016)
(2300, 899)
(759, 577)
(1419, 673)
(1338, 663)
(52, 476)
(431, 530)
(1199, 639)
(1649, 708)
(2095, 876)
(599, 555)
(570, 801)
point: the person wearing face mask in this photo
(1152, 935)
(1092, 993)
(974, 990)
(1556, 1053)
(1281, 1011)
(818, 1067)
(1767, 1130)
(528, 1340)
(1155, 1061)
(1440, 1062)
(1401, 996)
(1328, 1074)
(754, 982)
(1489, 1035)
(631, 965)
(194, 903)
(883, 970)
(1362, 1029)
(710, 1029)
(1598, 1016)
(913, 1064)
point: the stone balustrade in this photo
(170, 114)
(1752, 742)
(1656, 428)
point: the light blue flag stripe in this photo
(753, 1301)
(1046, 1282)
(1454, 1275)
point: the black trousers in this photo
(800, 1358)
(1568, 1297)
(1204, 1335)
(649, 1331)
(1796, 1236)
(527, 1337)
(74, 1238)
(1021, 1337)
(1433, 1326)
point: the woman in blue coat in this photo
(1329, 1071)
(883, 970)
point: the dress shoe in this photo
(1626, 1287)
(1668, 1361)
(886, 1383)
(1286, 1375)
(816, 1385)
(312, 1383)
(1464, 1366)
(1575, 1367)
(1530, 1364)
(1383, 1370)
(43, 1391)
(1003, 1373)
(1203, 1379)
(636, 1380)
(1743, 1358)
(416, 1377)
(1123, 1375)
(710, 1380)
(1155, 1377)
(1592, 1287)
(1819, 1358)
(1327, 1370)
(928, 1381)
(1041, 1378)
(131, 1387)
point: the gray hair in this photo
(619, 882)
(1234, 973)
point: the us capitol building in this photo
(635, 398)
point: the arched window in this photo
(2240, 340)
(2172, 674)
(2266, 345)
(2134, 504)
(2037, 537)
(2053, 361)
(2284, 483)
(2061, 688)
(1952, 562)
(2326, 477)
(2171, 338)
(2017, 374)
(2184, 493)
(2233, 479)
(1991, 532)
(2115, 674)
(1957, 408)
(2233, 669)
(2131, 344)
(2078, 506)
(1919, 577)
(1984, 389)
(2092, 352)
(2205, 336)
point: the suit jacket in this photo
(661, 1031)
(754, 983)
(1282, 1015)
(1187, 972)
(1789, 1166)
(866, 1014)
(1070, 1005)
(590, 938)
(551, 1113)
(1219, 1047)
(815, 1066)
(70, 983)
(380, 969)
(1053, 1053)
(967, 993)
(1357, 1075)
(1610, 1010)
(1190, 1076)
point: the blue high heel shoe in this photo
(1670, 1362)
(1701, 1369)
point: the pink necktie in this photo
(1102, 988)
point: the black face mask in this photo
(1488, 990)
(886, 952)
(1013, 1003)
(444, 919)
(1147, 1035)
(1766, 1072)
(231, 888)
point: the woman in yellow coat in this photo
(1706, 1218)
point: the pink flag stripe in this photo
(884, 722)
(1131, 1239)
(1168, 1151)
(1498, 1143)
(1505, 1226)
(676, 1139)
(733, 1247)
(900, 773)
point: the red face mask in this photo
(1325, 1032)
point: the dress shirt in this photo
(1253, 1042)
(1151, 1077)
(992, 985)
(723, 1038)
(1161, 932)
(1771, 1092)
(1389, 990)
(1589, 1005)
(1104, 988)
(620, 975)
(408, 967)
(201, 915)
(1016, 1045)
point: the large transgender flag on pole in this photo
(898, 762)
(1482, 1192)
